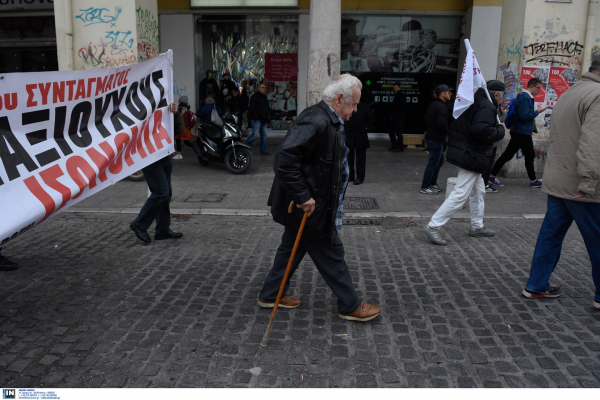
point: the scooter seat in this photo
(211, 131)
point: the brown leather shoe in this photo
(285, 302)
(364, 312)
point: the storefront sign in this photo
(26, 5)
(244, 3)
(281, 67)
(65, 136)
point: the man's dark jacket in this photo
(436, 120)
(358, 125)
(237, 104)
(259, 107)
(473, 133)
(308, 164)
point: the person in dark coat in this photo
(472, 136)
(206, 84)
(436, 119)
(311, 169)
(237, 105)
(259, 117)
(156, 207)
(357, 140)
(397, 116)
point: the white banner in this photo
(67, 135)
(470, 80)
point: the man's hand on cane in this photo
(308, 207)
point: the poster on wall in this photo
(555, 82)
(528, 73)
(417, 53)
(389, 44)
(281, 75)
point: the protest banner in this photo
(65, 136)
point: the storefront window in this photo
(232, 51)
(418, 53)
(27, 44)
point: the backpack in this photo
(511, 115)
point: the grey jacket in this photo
(574, 153)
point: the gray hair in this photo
(342, 84)
(595, 67)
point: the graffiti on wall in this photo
(555, 54)
(179, 91)
(114, 47)
(92, 16)
(97, 56)
(511, 49)
(148, 34)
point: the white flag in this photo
(470, 80)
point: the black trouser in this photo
(188, 143)
(156, 207)
(518, 141)
(395, 134)
(486, 174)
(329, 260)
(360, 154)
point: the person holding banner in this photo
(158, 177)
(470, 149)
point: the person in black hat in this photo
(470, 149)
(436, 119)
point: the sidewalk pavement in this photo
(393, 179)
(91, 307)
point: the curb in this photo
(267, 213)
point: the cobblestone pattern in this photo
(91, 307)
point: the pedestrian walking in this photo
(259, 117)
(489, 188)
(189, 119)
(357, 140)
(6, 264)
(397, 116)
(205, 112)
(571, 180)
(521, 135)
(436, 119)
(470, 149)
(237, 105)
(311, 169)
(156, 207)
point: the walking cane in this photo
(265, 340)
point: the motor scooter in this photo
(223, 144)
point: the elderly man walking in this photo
(311, 169)
(470, 149)
(571, 179)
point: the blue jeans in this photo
(559, 217)
(158, 178)
(256, 125)
(436, 160)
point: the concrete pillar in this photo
(324, 46)
(178, 33)
(482, 28)
(592, 38)
(303, 39)
(92, 36)
(539, 34)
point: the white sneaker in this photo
(178, 157)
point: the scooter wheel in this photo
(136, 176)
(240, 162)
(203, 161)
